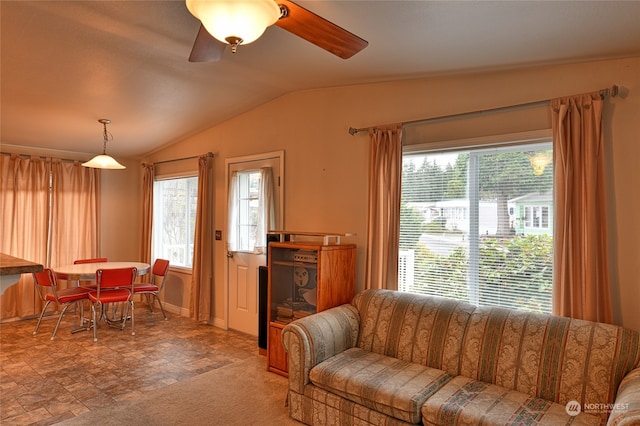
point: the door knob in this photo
(229, 254)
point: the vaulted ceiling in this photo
(65, 64)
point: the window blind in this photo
(477, 225)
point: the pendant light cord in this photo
(105, 136)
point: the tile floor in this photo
(43, 382)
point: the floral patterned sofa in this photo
(392, 358)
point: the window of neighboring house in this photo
(469, 229)
(174, 219)
(536, 216)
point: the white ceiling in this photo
(65, 64)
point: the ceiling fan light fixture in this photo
(235, 21)
(104, 161)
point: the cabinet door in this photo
(293, 283)
(281, 285)
(277, 355)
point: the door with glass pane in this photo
(254, 199)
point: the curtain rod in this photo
(41, 157)
(613, 91)
(208, 154)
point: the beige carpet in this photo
(243, 393)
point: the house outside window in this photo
(476, 225)
(174, 219)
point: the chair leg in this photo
(149, 302)
(55, 330)
(95, 323)
(35, 331)
(85, 323)
(133, 330)
(82, 313)
(161, 307)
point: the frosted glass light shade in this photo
(103, 161)
(539, 161)
(236, 19)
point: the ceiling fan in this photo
(217, 28)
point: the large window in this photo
(477, 224)
(174, 219)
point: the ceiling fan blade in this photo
(206, 48)
(319, 31)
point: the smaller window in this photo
(174, 220)
(248, 203)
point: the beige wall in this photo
(121, 212)
(326, 168)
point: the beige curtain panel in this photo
(383, 237)
(49, 214)
(148, 177)
(200, 305)
(581, 277)
(75, 213)
(24, 183)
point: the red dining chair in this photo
(153, 288)
(95, 260)
(88, 284)
(47, 286)
(113, 286)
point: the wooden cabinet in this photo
(305, 278)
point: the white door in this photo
(246, 235)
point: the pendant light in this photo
(103, 161)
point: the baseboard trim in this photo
(178, 310)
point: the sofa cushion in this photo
(391, 386)
(319, 407)
(626, 409)
(425, 330)
(463, 401)
(553, 358)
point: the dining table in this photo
(87, 271)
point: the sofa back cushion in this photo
(421, 329)
(554, 358)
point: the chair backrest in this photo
(45, 280)
(96, 260)
(160, 268)
(116, 278)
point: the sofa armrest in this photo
(626, 408)
(310, 340)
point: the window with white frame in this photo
(476, 225)
(174, 219)
(536, 217)
(247, 207)
(252, 209)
